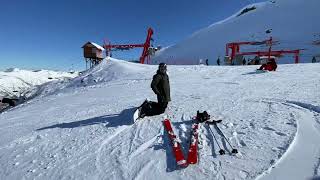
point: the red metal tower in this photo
(145, 47)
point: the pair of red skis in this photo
(192, 157)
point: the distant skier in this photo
(161, 87)
(218, 61)
(244, 61)
(207, 62)
(256, 60)
(314, 59)
(270, 66)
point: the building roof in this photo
(94, 44)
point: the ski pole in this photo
(221, 151)
(233, 149)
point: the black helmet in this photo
(162, 67)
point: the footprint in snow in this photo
(241, 133)
(269, 128)
(242, 143)
(272, 161)
(252, 125)
(244, 174)
(282, 148)
(280, 133)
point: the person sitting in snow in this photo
(270, 66)
(161, 87)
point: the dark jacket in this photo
(161, 87)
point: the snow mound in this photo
(110, 70)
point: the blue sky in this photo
(47, 34)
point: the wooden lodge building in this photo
(92, 53)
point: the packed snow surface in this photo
(83, 129)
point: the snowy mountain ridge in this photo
(290, 22)
(15, 82)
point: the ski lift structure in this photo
(147, 46)
(235, 50)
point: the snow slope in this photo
(85, 130)
(292, 22)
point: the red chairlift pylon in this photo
(145, 47)
(235, 49)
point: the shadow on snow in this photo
(111, 120)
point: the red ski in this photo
(176, 147)
(193, 152)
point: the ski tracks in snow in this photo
(105, 143)
(302, 155)
(119, 159)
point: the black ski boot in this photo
(202, 117)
